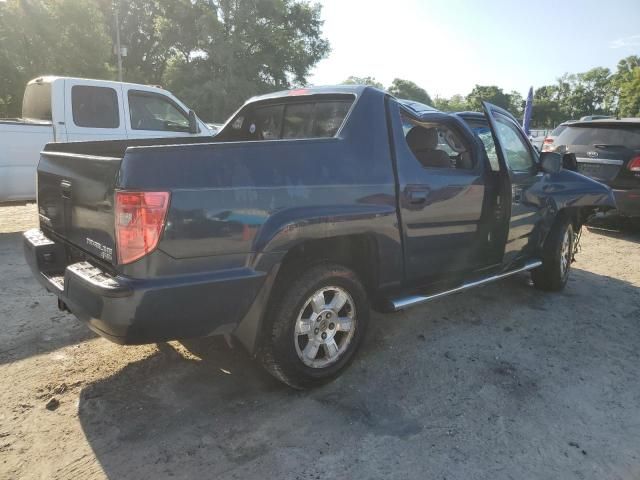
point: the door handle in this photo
(417, 197)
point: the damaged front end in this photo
(570, 193)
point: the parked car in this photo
(537, 141)
(308, 208)
(549, 140)
(608, 150)
(62, 109)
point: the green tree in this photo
(371, 81)
(243, 49)
(489, 93)
(457, 103)
(546, 110)
(516, 104)
(153, 31)
(408, 90)
(49, 37)
(629, 100)
(625, 87)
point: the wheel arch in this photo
(359, 252)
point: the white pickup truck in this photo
(63, 109)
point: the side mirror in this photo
(550, 162)
(193, 122)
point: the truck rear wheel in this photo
(557, 255)
(315, 325)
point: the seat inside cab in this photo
(436, 145)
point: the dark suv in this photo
(608, 151)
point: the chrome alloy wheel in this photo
(565, 253)
(325, 327)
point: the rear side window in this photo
(627, 136)
(268, 122)
(94, 107)
(36, 103)
(299, 119)
(328, 117)
(558, 130)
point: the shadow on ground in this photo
(503, 380)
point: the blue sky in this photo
(447, 46)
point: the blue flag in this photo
(528, 109)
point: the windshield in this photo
(558, 130)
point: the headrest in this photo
(420, 138)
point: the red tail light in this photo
(140, 217)
(548, 140)
(634, 164)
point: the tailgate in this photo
(600, 162)
(75, 200)
(602, 169)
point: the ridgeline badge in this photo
(105, 252)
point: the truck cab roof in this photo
(107, 83)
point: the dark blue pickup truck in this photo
(308, 208)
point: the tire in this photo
(302, 316)
(557, 255)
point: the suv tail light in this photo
(548, 140)
(634, 164)
(139, 218)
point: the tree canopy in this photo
(371, 81)
(407, 89)
(213, 54)
(596, 91)
(47, 37)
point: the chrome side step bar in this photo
(405, 302)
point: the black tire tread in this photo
(547, 277)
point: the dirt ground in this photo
(502, 382)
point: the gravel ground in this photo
(503, 382)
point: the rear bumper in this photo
(135, 311)
(628, 202)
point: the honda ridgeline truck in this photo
(308, 208)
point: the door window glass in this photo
(435, 145)
(155, 112)
(518, 155)
(94, 107)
